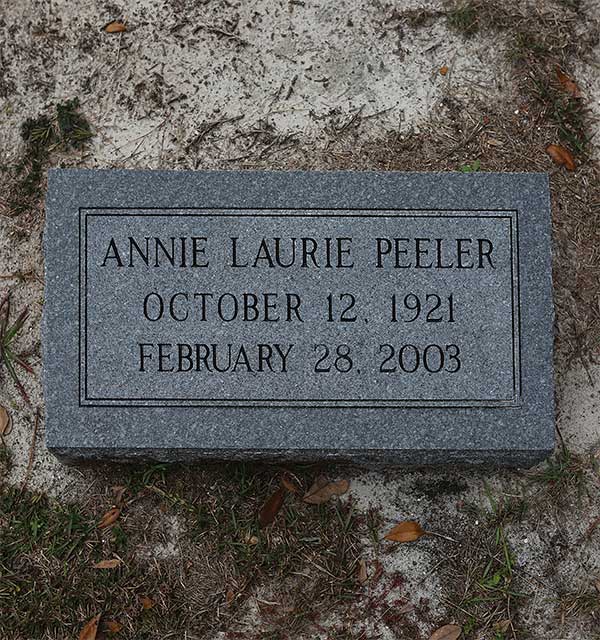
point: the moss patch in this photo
(66, 129)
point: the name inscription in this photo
(299, 308)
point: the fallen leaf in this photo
(569, 85)
(115, 27)
(407, 531)
(443, 70)
(447, 632)
(271, 507)
(322, 490)
(229, 596)
(320, 482)
(110, 517)
(290, 483)
(5, 422)
(113, 626)
(561, 156)
(147, 602)
(597, 585)
(90, 630)
(502, 626)
(108, 564)
(363, 576)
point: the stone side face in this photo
(384, 318)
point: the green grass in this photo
(472, 167)
(66, 129)
(564, 111)
(487, 594)
(525, 44)
(374, 522)
(565, 475)
(74, 129)
(48, 586)
(464, 18)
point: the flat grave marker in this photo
(375, 317)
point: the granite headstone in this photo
(375, 317)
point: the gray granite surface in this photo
(375, 317)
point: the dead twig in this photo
(477, 129)
(32, 447)
(291, 87)
(213, 28)
(281, 141)
(207, 127)
(22, 276)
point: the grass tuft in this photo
(73, 127)
(565, 476)
(66, 129)
(464, 18)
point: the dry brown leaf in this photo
(271, 507)
(229, 596)
(569, 85)
(147, 602)
(502, 626)
(443, 70)
(5, 422)
(447, 632)
(115, 27)
(108, 564)
(113, 626)
(290, 483)
(322, 490)
(597, 585)
(320, 482)
(561, 156)
(363, 576)
(110, 517)
(407, 531)
(90, 629)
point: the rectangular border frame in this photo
(86, 401)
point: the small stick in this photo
(31, 450)
(291, 89)
(211, 28)
(440, 535)
(476, 130)
(22, 275)
(207, 127)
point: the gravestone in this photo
(375, 317)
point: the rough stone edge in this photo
(371, 458)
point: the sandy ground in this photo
(297, 71)
(149, 91)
